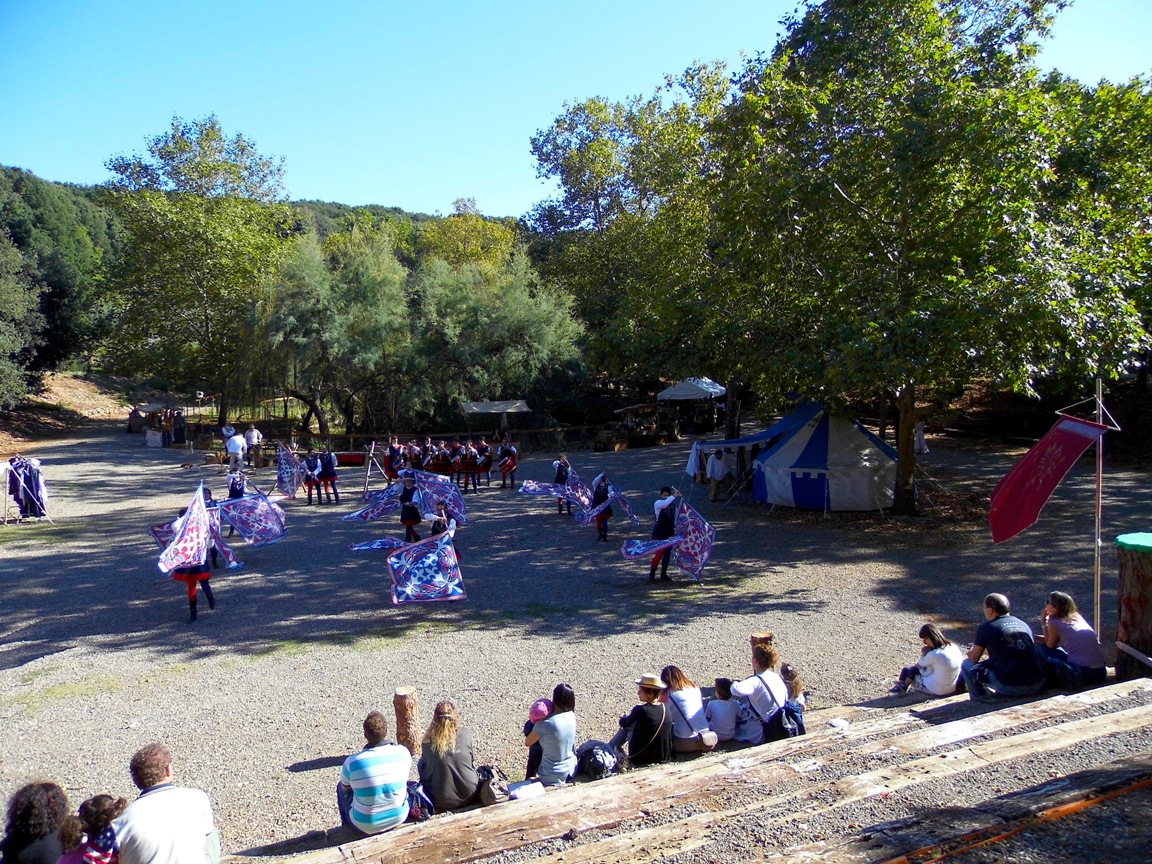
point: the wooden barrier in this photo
(1134, 603)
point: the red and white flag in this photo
(1020, 496)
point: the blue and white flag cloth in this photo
(255, 518)
(691, 545)
(426, 572)
(386, 543)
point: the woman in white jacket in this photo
(938, 669)
(764, 693)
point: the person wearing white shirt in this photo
(167, 824)
(765, 692)
(252, 439)
(719, 475)
(235, 447)
(665, 527)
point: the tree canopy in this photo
(205, 231)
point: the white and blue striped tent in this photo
(823, 461)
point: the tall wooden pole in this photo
(1099, 497)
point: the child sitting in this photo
(797, 698)
(85, 836)
(540, 710)
(723, 711)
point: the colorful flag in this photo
(387, 543)
(257, 519)
(1019, 497)
(633, 549)
(426, 572)
(289, 471)
(699, 535)
(691, 545)
(191, 536)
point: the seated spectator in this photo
(373, 790)
(35, 813)
(690, 732)
(557, 737)
(647, 728)
(166, 824)
(1065, 628)
(722, 712)
(764, 691)
(937, 671)
(539, 710)
(82, 832)
(447, 763)
(797, 696)
(1013, 665)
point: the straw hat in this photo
(652, 681)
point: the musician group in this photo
(463, 462)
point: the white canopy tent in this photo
(692, 388)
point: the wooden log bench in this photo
(915, 740)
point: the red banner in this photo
(1020, 496)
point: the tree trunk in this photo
(904, 503)
(314, 408)
(225, 407)
(1134, 605)
(407, 719)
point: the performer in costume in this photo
(327, 475)
(394, 459)
(665, 510)
(235, 490)
(410, 510)
(562, 466)
(506, 461)
(469, 467)
(195, 576)
(484, 460)
(601, 492)
(312, 475)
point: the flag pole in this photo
(1099, 496)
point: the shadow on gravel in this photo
(92, 576)
(317, 764)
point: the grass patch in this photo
(44, 532)
(33, 675)
(58, 692)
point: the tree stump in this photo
(1134, 603)
(407, 709)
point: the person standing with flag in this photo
(665, 510)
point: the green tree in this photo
(629, 236)
(205, 227)
(466, 237)
(64, 238)
(1100, 192)
(879, 210)
(20, 323)
(482, 333)
(339, 325)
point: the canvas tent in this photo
(825, 461)
(691, 388)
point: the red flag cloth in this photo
(1020, 496)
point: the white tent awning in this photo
(693, 388)
(507, 406)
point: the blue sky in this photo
(401, 104)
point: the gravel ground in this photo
(262, 699)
